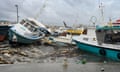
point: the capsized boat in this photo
(103, 41)
(38, 24)
(25, 32)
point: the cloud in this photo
(57, 11)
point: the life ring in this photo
(102, 52)
(118, 55)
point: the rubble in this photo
(36, 53)
(33, 53)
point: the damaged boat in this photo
(39, 25)
(25, 32)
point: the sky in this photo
(54, 12)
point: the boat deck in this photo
(93, 41)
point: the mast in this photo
(101, 11)
(41, 10)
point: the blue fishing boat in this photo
(25, 32)
(103, 41)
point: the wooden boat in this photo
(103, 41)
(25, 32)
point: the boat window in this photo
(109, 31)
(32, 23)
(22, 22)
(108, 38)
(113, 37)
(26, 25)
(85, 39)
(32, 28)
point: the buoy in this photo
(102, 52)
(102, 70)
(105, 62)
(65, 62)
(118, 55)
(84, 61)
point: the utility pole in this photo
(17, 13)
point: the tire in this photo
(118, 55)
(102, 52)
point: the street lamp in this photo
(17, 13)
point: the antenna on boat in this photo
(101, 10)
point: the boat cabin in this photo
(108, 34)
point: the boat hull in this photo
(20, 39)
(4, 32)
(101, 51)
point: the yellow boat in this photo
(76, 31)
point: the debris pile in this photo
(34, 53)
